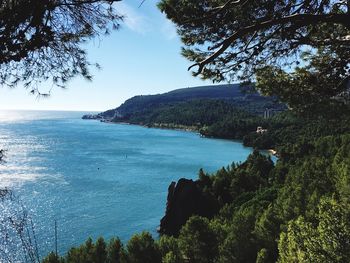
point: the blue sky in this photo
(143, 57)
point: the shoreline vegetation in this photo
(217, 111)
(255, 210)
(250, 211)
(171, 126)
(176, 127)
(167, 126)
(194, 129)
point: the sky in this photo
(142, 57)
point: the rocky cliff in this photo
(185, 198)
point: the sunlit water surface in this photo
(99, 179)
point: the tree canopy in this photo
(41, 40)
(289, 39)
(296, 210)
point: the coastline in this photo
(165, 126)
(177, 127)
(183, 128)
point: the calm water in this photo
(96, 178)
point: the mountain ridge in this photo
(252, 102)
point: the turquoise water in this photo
(99, 179)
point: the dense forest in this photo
(296, 210)
(221, 111)
(139, 108)
(224, 118)
(204, 116)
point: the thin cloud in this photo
(168, 29)
(133, 19)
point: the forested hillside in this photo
(221, 111)
(296, 210)
(238, 95)
(220, 118)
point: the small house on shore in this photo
(260, 130)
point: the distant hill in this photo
(232, 93)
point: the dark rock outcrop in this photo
(185, 199)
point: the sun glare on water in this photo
(10, 115)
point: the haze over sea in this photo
(99, 179)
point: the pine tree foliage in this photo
(42, 40)
(296, 49)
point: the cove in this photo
(100, 179)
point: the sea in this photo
(75, 178)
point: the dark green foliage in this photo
(192, 113)
(290, 132)
(258, 200)
(214, 111)
(226, 37)
(327, 240)
(234, 93)
(321, 84)
(100, 250)
(239, 244)
(296, 50)
(212, 118)
(294, 211)
(170, 250)
(53, 258)
(139, 109)
(229, 184)
(234, 124)
(90, 252)
(198, 240)
(114, 251)
(42, 40)
(222, 119)
(262, 256)
(141, 248)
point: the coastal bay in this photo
(98, 179)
